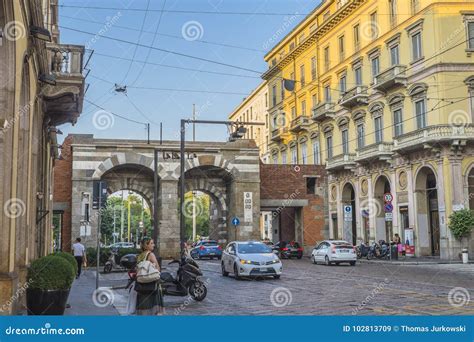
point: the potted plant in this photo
(461, 223)
(49, 281)
(69, 258)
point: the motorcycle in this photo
(126, 263)
(380, 250)
(362, 250)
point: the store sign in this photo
(248, 207)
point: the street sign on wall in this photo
(388, 197)
(347, 213)
(248, 207)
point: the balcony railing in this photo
(300, 123)
(355, 96)
(426, 137)
(324, 111)
(341, 162)
(380, 151)
(393, 77)
(64, 101)
(279, 133)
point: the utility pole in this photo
(115, 232)
(129, 218)
(122, 219)
(194, 124)
(194, 215)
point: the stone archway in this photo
(383, 228)
(350, 227)
(427, 221)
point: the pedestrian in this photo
(149, 302)
(396, 239)
(79, 252)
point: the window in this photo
(266, 120)
(313, 68)
(375, 66)
(360, 135)
(326, 15)
(345, 141)
(316, 152)
(304, 153)
(394, 55)
(292, 46)
(416, 46)
(326, 58)
(311, 185)
(283, 157)
(302, 76)
(393, 12)
(314, 100)
(266, 100)
(327, 93)
(342, 84)
(293, 112)
(282, 89)
(341, 48)
(420, 112)
(303, 107)
(294, 156)
(470, 34)
(374, 30)
(329, 146)
(398, 122)
(356, 31)
(274, 98)
(378, 129)
(302, 37)
(358, 75)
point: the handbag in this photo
(146, 287)
(147, 272)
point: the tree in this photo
(202, 214)
(461, 223)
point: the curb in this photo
(387, 262)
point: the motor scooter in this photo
(126, 263)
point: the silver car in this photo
(250, 259)
(334, 251)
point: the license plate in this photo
(212, 253)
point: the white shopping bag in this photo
(132, 301)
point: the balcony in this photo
(63, 101)
(279, 133)
(301, 123)
(324, 111)
(341, 162)
(391, 78)
(380, 151)
(427, 137)
(354, 97)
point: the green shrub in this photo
(461, 223)
(69, 258)
(50, 273)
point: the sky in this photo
(244, 39)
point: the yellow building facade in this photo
(41, 87)
(383, 97)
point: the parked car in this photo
(119, 245)
(250, 259)
(270, 244)
(334, 251)
(290, 250)
(206, 249)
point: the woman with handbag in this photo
(149, 295)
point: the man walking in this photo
(79, 252)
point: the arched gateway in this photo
(224, 171)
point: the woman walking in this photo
(150, 302)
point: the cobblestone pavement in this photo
(307, 289)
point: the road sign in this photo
(387, 197)
(235, 221)
(388, 207)
(347, 213)
(388, 217)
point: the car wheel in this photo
(326, 260)
(313, 259)
(224, 272)
(276, 276)
(236, 272)
(353, 263)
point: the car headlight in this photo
(243, 262)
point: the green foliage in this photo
(50, 273)
(69, 259)
(91, 253)
(461, 223)
(202, 217)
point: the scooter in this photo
(186, 282)
(362, 250)
(126, 263)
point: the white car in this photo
(250, 259)
(334, 251)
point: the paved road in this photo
(307, 289)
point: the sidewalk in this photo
(412, 261)
(81, 298)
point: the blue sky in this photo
(181, 32)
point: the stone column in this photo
(169, 219)
(393, 190)
(246, 230)
(444, 243)
(372, 213)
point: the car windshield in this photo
(209, 243)
(253, 248)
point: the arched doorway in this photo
(470, 188)
(383, 227)
(426, 194)
(348, 200)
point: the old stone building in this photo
(41, 88)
